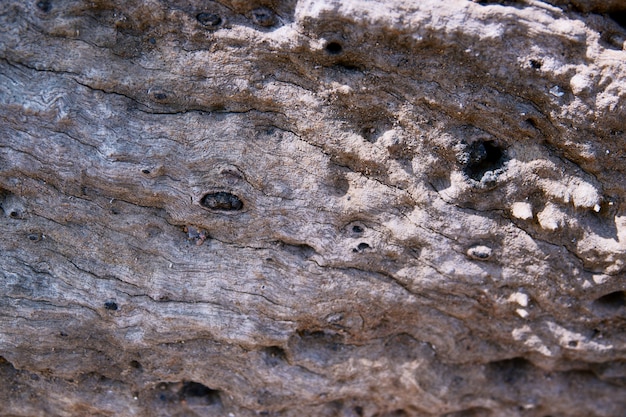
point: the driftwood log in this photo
(312, 208)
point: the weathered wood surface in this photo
(290, 208)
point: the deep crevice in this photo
(301, 250)
(4, 362)
(471, 412)
(619, 17)
(513, 3)
(611, 37)
(611, 302)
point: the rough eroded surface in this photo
(315, 207)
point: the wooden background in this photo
(358, 208)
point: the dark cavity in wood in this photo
(221, 201)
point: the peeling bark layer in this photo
(288, 208)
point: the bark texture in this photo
(312, 208)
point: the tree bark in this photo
(312, 207)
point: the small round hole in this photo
(532, 123)
(210, 20)
(334, 48)
(145, 171)
(35, 237)
(44, 5)
(110, 305)
(274, 355)
(480, 252)
(222, 201)
(264, 17)
(14, 214)
(357, 229)
(362, 246)
(483, 156)
(535, 64)
(197, 393)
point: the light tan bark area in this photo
(312, 208)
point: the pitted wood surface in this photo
(293, 208)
